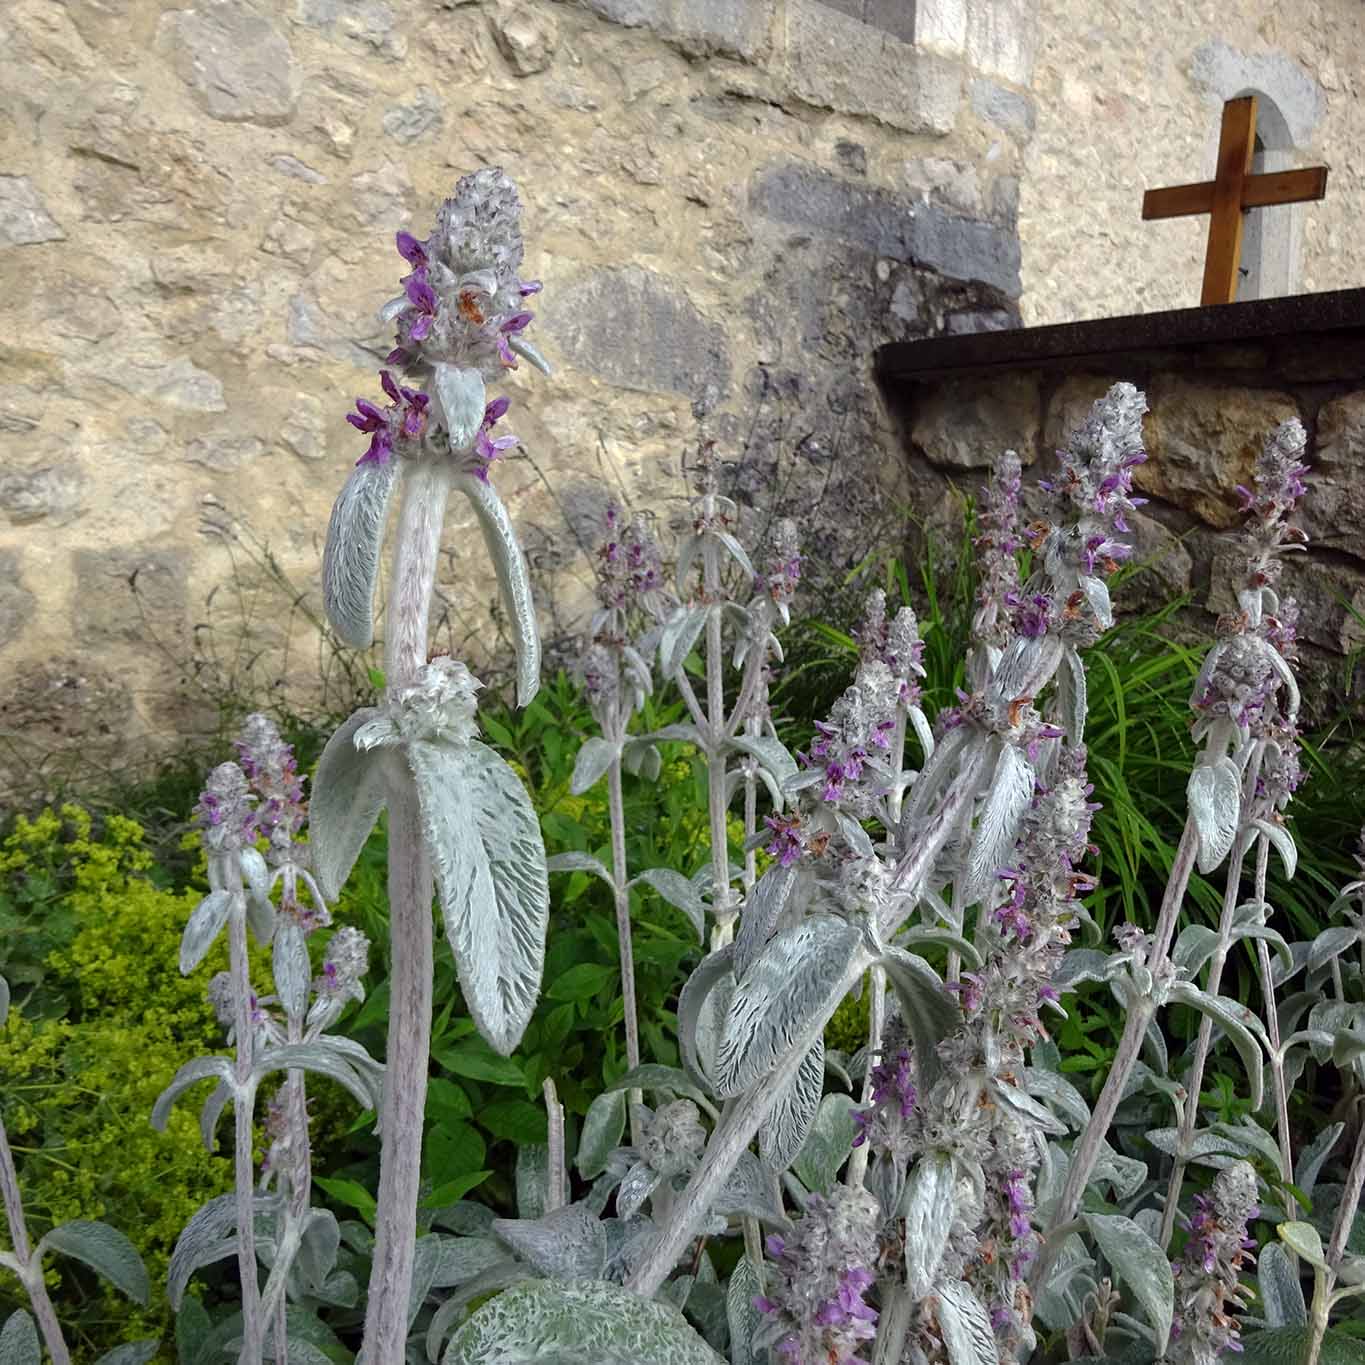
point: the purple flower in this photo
(787, 845)
(509, 327)
(412, 251)
(405, 419)
(487, 449)
(424, 303)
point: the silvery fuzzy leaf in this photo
(350, 559)
(578, 862)
(792, 981)
(1205, 1148)
(762, 910)
(1193, 948)
(642, 759)
(199, 1069)
(533, 1179)
(928, 1206)
(450, 1314)
(678, 892)
(105, 1250)
(1052, 1171)
(568, 1244)
(392, 308)
(781, 1137)
(1059, 1092)
(751, 1190)
(603, 1127)
(465, 1258)
(669, 1080)
(1249, 1138)
(638, 1184)
(1236, 1021)
(1096, 592)
(1072, 698)
(680, 636)
(592, 762)
(1215, 797)
(741, 1314)
(1283, 842)
(677, 1291)
(461, 398)
(929, 1011)
(292, 970)
(323, 1059)
(528, 349)
(580, 1322)
(828, 1143)
(943, 938)
(465, 1218)
(965, 1326)
(1142, 1265)
(1303, 1239)
(737, 553)
(1329, 944)
(514, 580)
(1286, 674)
(1278, 1280)
(1312, 1158)
(201, 929)
(1024, 1106)
(1082, 964)
(260, 912)
(923, 733)
(211, 1113)
(702, 1008)
(997, 828)
(347, 796)
(855, 836)
(484, 838)
(19, 1341)
(134, 1353)
(772, 755)
(1123, 1174)
(209, 1236)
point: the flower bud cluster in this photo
(997, 566)
(1208, 1273)
(777, 580)
(630, 574)
(439, 706)
(269, 765)
(895, 643)
(848, 756)
(817, 1280)
(885, 1125)
(224, 812)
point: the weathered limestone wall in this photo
(731, 204)
(1128, 97)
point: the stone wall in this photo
(731, 204)
(1209, 411)
(1129, 97)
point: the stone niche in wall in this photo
(1217, 380)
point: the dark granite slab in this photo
(1303, 317)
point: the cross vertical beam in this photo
(1236, 147)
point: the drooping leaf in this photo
(489, 860)
(347, 796)
(965, 1326)
(577, 1323)
(19, 1341)
(260, 913)
(1289, 1346)
(1331, 943)
(1311, 1159)
(1281, 1292)
(514, 580)
(1007, 798)
(793, 981)
(704, 1000)
(593, 760)
(568, 1244)
(1303, 1240)
(771, 754)
(751, 1190)
(194, 1071)
(209, 1236)
(743, 1318)
(533, 1179)
(642, 759)
(350, 559)
(929, 1011)
(1059, 1092)
(655, 1076)
(827, 1144)
(781, 1137)
(1215, 795)
(678, 892)
(292, 970)
(201, 929)
(679, 636)
(105, 1250)
(928, 1207)
(763, 908)
(603, 1126)
(1237, 1022)
(324, 1059)
(1284, 844)
(578, 862)
(1141, 1265)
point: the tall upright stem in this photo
(714, 737)
(617, 808)
(18, 1236)
(244, 1169)
(425, 489)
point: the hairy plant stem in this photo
(1351, 1194)
(714, 740)
(425, 489)
(556, 1195)
(1194, 1080)
(43, 1311)
(243, 1109)
(876, 1023)
(1318, 1314)
(621, 894)
(1086, 1151)
(742, 1121)
(893, 1327)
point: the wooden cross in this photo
(1228, 196)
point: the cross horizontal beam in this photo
(1258, 191)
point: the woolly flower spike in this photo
(344, 965)
(1208, 1274)
(847, 755)
(269, 765)
(630, 575)
(224, 811)
(885, 1123)
(398, 427)
(1095, 470)
(996, 565)
(439, 706)
(895, 643)
(816, 1285)
(781, 571)
(462, 303)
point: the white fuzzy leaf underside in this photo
(348, 794)
(489, 860)
(105, 1250)
(350, 559)
(1140, 1264)
(461, 397)
(965, 1326)
(201, 929)
(1011, 790)
(792, 980)
(568, 1244)
(783, 1135)
(1215, 792)
(19, 1341)
(929, 1206)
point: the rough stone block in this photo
(840, 63)
(1166, 566)
(896, 17)
(1002, 38)
(52, 493)
(1006, 109)
(966, 423)
(1069, 406)
(875, 219)
(941, 25)
(238, 65)
(1202, 441)
(638, 330)
(24, 219)
(1333, 511)
(737, 28)
(525, 36)
(123, 594)
(179, 383)
(16, 601)
(966, 249)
